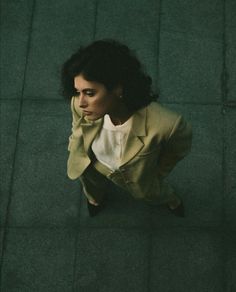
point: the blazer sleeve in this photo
(75, 121)
(176, 147)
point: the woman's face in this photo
(94, 99)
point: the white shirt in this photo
(109, 144)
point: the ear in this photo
(118, 90)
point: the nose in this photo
(82, 101)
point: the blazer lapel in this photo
(134, 143)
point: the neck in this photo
(120, 116)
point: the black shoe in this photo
(94, 210)
(179, 211)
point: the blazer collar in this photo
(133, 145)
(139, 122)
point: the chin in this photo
(94, 118)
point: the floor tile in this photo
(230, 8)
(9, 115)
(43, 195)
(230, 261)
(186, 260)
(38, 260)
(121, 211)
(230, 48)
(190, 68)
(231, 71)
(137, 28)
(1, 242)
(58, 31)
(202, 19)
(230, 36)
(15, 33)
(112, 260)
(230, 171)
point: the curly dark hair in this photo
(111, 63)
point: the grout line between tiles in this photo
(224, 93)
(150, 227)
(95, 19)
(226, 103)
(149, 260)
(4, 237)
(74, 285)
(158, 45)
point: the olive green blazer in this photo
(158, 139)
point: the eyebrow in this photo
(86, 89)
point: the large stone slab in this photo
(121, 211)
(138, 27)
(191, 50)
(190, 68)
(1, 242)
(9, 116)
(186, 260)
(38, 260)
(230, 259)
(198, 18)
(42, 194)
(15, 33)
(230, 36)
(230, 168)
(59, 28)
(112, 260)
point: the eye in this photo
(77, 93)
(90, 93)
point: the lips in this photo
(87, 113)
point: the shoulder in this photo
(161, 119)
(160, 114)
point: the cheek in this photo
(103, 104)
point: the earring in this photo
(121, 96)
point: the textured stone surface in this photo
(186, 260)
(59, 28)
(138, 28)
(9, 115)
(121, 211)
(42, 193)
(230, 260)
(230, 35)
(202, 19)
(38, 260)
(15, 34)
(1, 242)
(190, 68)
(112, 260)
(230, 171)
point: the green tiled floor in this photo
(47, 240)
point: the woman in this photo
(120, 133)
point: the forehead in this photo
(80, 83)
